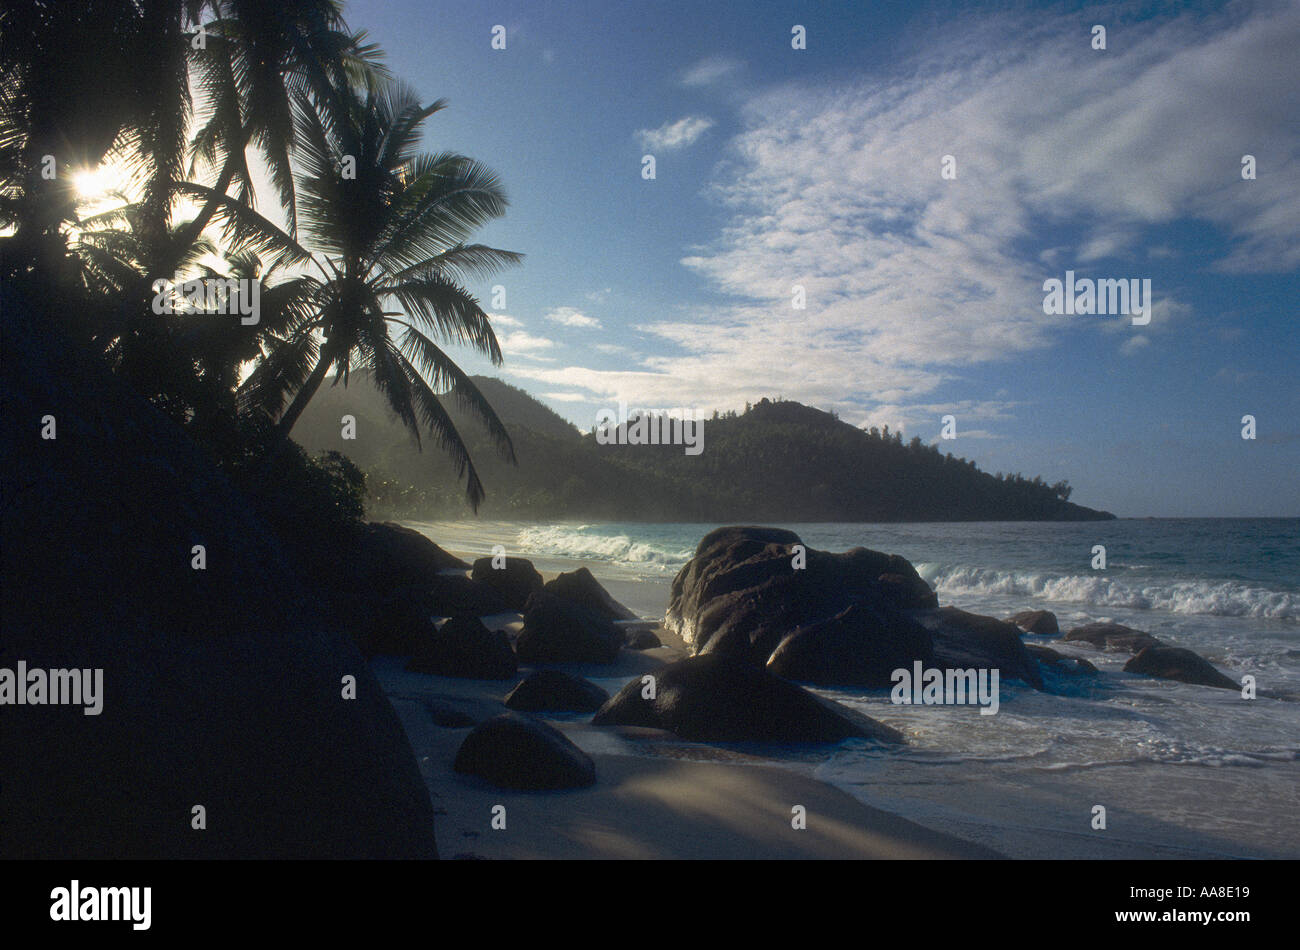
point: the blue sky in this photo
(821, 167)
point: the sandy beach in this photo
(655, 796)
(658, 796)
(658, 806)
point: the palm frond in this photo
(440, 425)
(438, 369)
(248, 229)
(448, 309)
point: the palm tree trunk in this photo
(286, 422)
(191, 233)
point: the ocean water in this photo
(1180, 770)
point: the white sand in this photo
(653, 797)
(641, 806)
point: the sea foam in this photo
(575, 542)
(1213, 597)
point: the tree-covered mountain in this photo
(777, 461)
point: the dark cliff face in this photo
(222, 688)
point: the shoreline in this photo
(655, 796)
(658, 806)
(939, 785)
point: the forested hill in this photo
(776, 462)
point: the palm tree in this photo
(78, 79)
(115, 251)
(287, 78)
(186, 363)
(81, 80)
(255, 59)
(388, 226)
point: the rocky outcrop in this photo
(464, 647)
(964, 640)
(1177, 663)
(720, 698)
(1036, 621)
(582, 588)
(829, 619)
(1058, 660)
(517, 751)
(1113, 637)
(555, 691)
(516, 580)
(404, 617)
(859, 646)
(391, 555)
(448, 595)
(225, 687)
(746, 588)
(559, 631)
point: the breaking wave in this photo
(575, 541)
(1214, 597)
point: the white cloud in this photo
(1134, 345)
(1103, 246)
(674, 135)
(926, 420)
(1166, 313)
(571, 317)
(566, 397)
(523, 343)
(501, 319)
(910, 279)
(709, 70)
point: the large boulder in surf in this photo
(517, 751)
(582, 588)
(229, 687)
(388, 556)
(463, 647)
(560, 631)
(1178, 663)
(1036, 621)
(859, 646)
(1113, 637)
(746, 588)
(377, 575)
(1058, 660)
(515, 580)
(964, 640)
(721, 698)
(556, 691)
